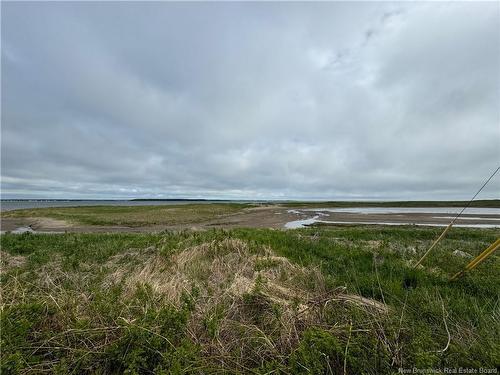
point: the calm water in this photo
(16, 205)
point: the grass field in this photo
(318, 300)
(132, 216)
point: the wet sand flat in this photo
(489, 217)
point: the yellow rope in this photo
(474, 262)
(483, 255)
(434, 244)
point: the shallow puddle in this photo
(22, 230)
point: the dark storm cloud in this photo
(250, 100)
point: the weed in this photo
(319, 300)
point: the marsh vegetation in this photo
(316, 300)
(132, 216)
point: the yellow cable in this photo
(483, 255)
(477, 260)
(434, 244)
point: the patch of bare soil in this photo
(256, 217)
(48, 224)
(37, 224)
(9, 224)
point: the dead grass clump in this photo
(247, 300)
(374, 244)
(7, 261)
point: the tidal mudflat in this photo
(233, 215)
(473, 217)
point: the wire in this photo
(475, 195)
(453, 221)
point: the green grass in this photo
(133, 216)
(67, 306)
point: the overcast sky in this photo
(250, 100)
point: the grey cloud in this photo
(250, 100)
